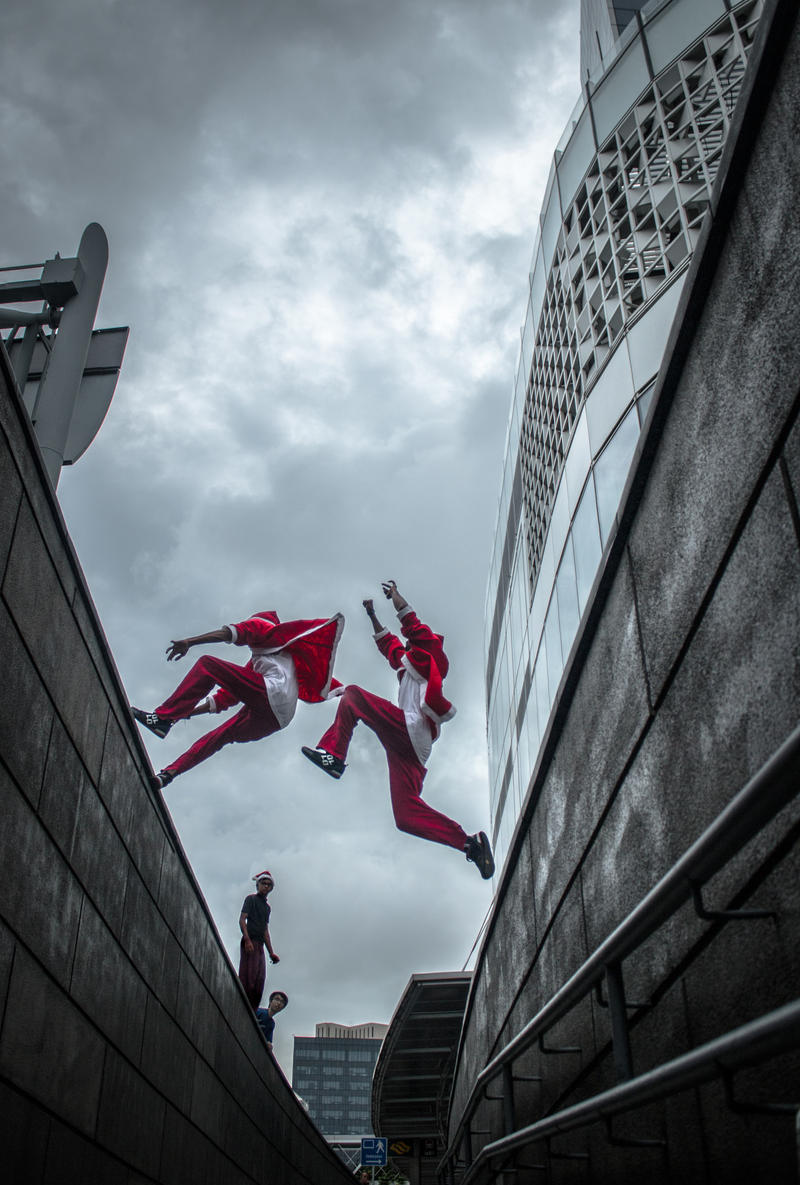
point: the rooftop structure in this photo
(411, 1087)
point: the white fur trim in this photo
(234, 633)
(412, 670)
(381, 634)
(429, 712)
(402, 612)
(339, 619)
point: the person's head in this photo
(264, 882)
(277, 1002)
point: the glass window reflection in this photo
(559, 522)
(531, 727)
(610, 396)
(542, 689)
(611, 470)
(567, 592)
(578, 461)
(523, 761)
(586, 544)
(647, 338)
(507, 826)
(552, 636)
(645, 399)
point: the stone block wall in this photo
(684, 680)
(128, 1051)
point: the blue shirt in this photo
(266, 1022)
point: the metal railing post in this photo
(509, 1110)
(620, 1035)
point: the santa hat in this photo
(265, 875)
(268, 615)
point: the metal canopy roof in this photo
(414, 1071)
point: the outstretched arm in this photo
(411, 626)
(370, 608)
(390, 647)
(390, 592)
(178, 647)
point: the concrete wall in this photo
(684, 680)
(128, 1052)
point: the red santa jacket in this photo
(311, 643)
(425, 653)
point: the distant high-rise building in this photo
(332, 1074)
(624, 203)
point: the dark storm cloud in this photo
(320, 219)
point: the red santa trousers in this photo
(254, 721)
(253, 971)
(406, 772)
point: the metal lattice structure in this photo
(633, 221)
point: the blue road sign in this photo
(373, 1152)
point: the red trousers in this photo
(255, 720)
(253, 971)
(406, 773)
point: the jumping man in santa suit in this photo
(406, 732)
(288, 661)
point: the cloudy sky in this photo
(320, 216)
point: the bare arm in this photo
(370, 608)
(178, 647)
(248, 944)
(268, 944)
(390, 592)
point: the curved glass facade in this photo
(626, 196)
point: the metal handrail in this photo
(767, 792)
(776, 1033)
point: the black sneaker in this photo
(332, 765)
(479, 851)
(162, 779)
(156, 724)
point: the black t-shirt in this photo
(257, 909)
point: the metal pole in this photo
(619, 1022)
(62, 380)
(509, 1115)
(23, 359)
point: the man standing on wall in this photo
(254, 925)
(407, 732)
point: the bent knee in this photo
(407, 820)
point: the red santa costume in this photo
(407, 732)
(289, 661)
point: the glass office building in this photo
(623, 206)
(332, 1074)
